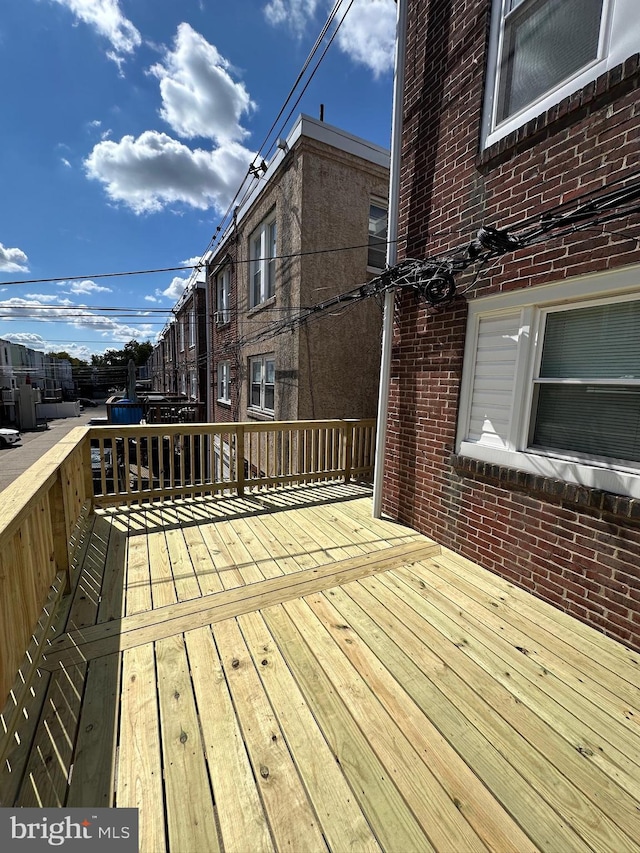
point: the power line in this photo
(253, 169)
(288, 256)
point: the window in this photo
(193, 385)
(181, 334)
(543, 50)
(377, 256)
(262, 372)
(223, 295)
(553, 387)
(192, 327)
(587, 387)
(224, 381)
(262, 254)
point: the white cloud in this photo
(367, 34)
(38, 307)
(150, 298)
(293, 13)
(154, 170)
(26, 339)
(86, 286)
(107, 19)
(65, 162)
(13, 260)
(175, 289)
(192, 262)
(199, 96)
(37, 342)
(46, 298)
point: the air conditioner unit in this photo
(219, 318)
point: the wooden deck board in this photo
(283, 671)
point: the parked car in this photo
(8, 436)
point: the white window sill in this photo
(260, 414)
(266, 304)
(592, 476)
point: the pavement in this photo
(16, 459)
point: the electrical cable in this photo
(184, 268)
(253, 169)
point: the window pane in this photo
(256, 371)
(269, 394)
(545, 42)
(592, 419)
(270, 367)
(255, 395)
(600, 342)
(377, 236)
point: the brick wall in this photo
(575, 548)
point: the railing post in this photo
(87, 472)
(348, 451)
(60, 528)
(240, 458)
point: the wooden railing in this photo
(154, 462)
(39, 514)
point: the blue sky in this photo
(127, 127)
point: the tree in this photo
(64, 355)
(113, 363)
(139, 352)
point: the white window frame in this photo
(224, 381)
(263, 360)
(619, 39)
(223, 296)
(262, 255)
(181, 334)
(533, 305)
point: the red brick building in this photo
(514, 416)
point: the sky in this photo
(126, 128)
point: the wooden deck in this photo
(282, 672)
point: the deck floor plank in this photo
(341, 819)
(503, 719)
(139, 778)
(189, 800)
(283, 671)
(557, 733)
(582, 673)
(386, 811)
(611, 736)
(232, 778)
(622, 661)
(292, 820)
(488, 819)
(495, 752)
(441, 820)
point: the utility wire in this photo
(290, 255)
(260, 155)
(433, 278)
